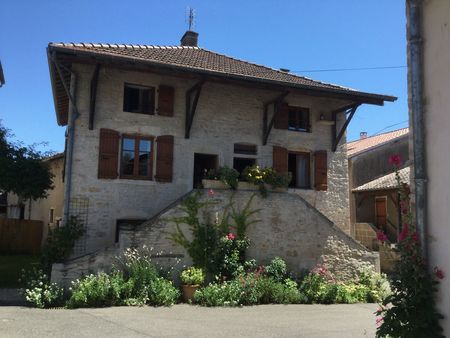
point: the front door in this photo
(381, 212)
(203, 163)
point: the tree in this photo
(22, 169)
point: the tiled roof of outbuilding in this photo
(386, 182)
(362, 145)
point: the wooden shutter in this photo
(281, 120)
(164, 158)
(320, 170)
(108, 154)
(280, 159)
(166, 96)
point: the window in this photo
(240, 163)
(245, 149)
(139, 99)
(51, 215)
(299, 167)
(299, 119)
(3, 203)
(136, 157)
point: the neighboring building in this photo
(373, 189)
(48, 210)
(144, 122)
(428, 30)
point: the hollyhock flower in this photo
(379, 320)
(211, 193)
(439, 273)
(415, 237)
(404, 232)
(395, 160)
(381, 236)
(230, 236)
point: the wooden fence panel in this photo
(19, 236)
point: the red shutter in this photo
(164, 158)
(281, 120)
(108, 154)
(320, 170)
(165, 100)
(280, 159)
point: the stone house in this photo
(144, 122)
(373, 187)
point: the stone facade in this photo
(226, 114)
(288, 227)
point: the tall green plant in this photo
(410, 311)
(242, 218)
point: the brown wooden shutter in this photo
(164, 158)
(280, 159)
(165, 100)
(281, 120)
(320, 170)
(108, 154)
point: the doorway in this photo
(381, 212)
(298, 166)
(202, 164)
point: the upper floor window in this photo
(136, 157)
(299, 119)
(139, 99)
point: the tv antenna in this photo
(190, 17)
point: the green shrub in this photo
(99, 290)
(314, 287)
(277, 269)
(227, 175)
(224, 294)
(39, 292)
(161, 292)
(192, 276)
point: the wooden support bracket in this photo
(267, 126)
(93, 98)
(191, 108)
(350, 109)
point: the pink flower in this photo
(395, 160)
(439, 273)
(404, 207)
(211, 193)
(381, 236)
(230, 236)
(379, 320)
(404, 232)
(415, 237)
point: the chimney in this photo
(363, 135)
(189, 38)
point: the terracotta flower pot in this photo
(188, 292)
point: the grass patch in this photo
(11, 269)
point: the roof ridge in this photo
(118, 45)
(369, 137)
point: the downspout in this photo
(415, 65)
(73, 115)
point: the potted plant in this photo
(191, 278)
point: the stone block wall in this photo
(366, 235)
(226, 114)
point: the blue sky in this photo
(297, 34)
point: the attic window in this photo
(139, 99)
(299, 119)
(245, 149)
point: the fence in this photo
(18, 236)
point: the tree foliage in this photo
(22, 170)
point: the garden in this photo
(221, 274)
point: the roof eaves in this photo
(2, 76)
(379, 145)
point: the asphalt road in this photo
(355, 320)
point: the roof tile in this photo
(362, 145)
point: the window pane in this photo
(144, 157)
(131, 99)
(128, 144)
(145, 145)
(292, 119)
(127, 162)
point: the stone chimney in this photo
(363, 135)
(189, 38)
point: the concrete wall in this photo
(225, 115)
(40, 209)
(289, 227)
(436, 81)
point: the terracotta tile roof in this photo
(386, 182)
(195, 58)
(362, 145)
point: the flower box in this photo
(214, 184)
(247, 186)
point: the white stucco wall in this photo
(436, 37)
(225, 115)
